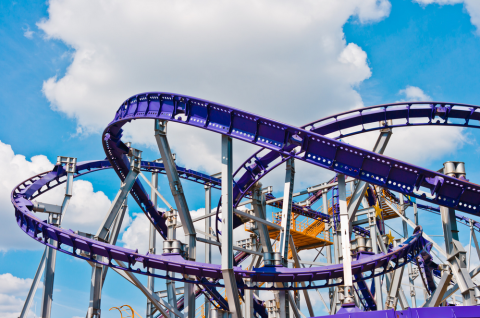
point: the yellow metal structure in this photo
(122, 310)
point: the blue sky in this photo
(67, 65)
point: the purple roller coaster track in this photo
(317, 143)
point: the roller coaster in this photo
(344, 217)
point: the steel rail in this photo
(116, 150)
(360, 117)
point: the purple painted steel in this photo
(69, 243)
(350, 119)
(396, 111)
(284, 139)
(437, 312)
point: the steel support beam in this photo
(259, 210)
(345, 239)
(153, 297)
(413, 226)
(135, 164)
(287, 209)
(257, 219)
(109, 230)
(227, 228)
(259, 207)
(395, 286)
(34, 286)
(306, 296)
(285, 230)
(456, 256)
(360, 188)
(400, 294)
(208, 248)
(56, 219)
(436, 299)
(152, 245)
(474, 272)
(378, 286)
(182, 207)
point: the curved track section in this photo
(291, 141)
(360, 121)
(70, 243)
(283, 139)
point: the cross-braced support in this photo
(109, 230)
(182, 207)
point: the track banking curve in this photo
(287, 140)
(404, 114)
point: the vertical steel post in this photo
(152, 244)
(345, 237)
(172, 235)
(258, 204)
(415, 213)
(378, 286)
(410, 267)
(208, 249)
(248, 300)
(287, 209)
(470, 244)
(47, 297)
(227, 227)
(285, 231)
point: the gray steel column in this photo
(415, 213)
(172, 235)
(456, 256)
(335, 305)
(227, 228)
(470, 243)
(287, 209)
(410, 267)
(56, 219)
(285, 232)
(33, 288)
(328, 236)
(182, 207)
(208, 248)
(259, 210)
(47, 297)
(248, 300)
(345, 238)
(394, 289)
(372, 220)
(152, 242)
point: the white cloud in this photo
(286, 60)
(417, 145)
(413, 93)
(13, 291)
(14, 286)
(472, 7)
(28, 33)
(85, 212)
